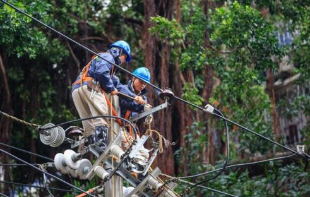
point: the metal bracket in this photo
(150, 161)
(146, 113)
(78, 143)
(168, 192)
(127, 176)
(137, 147)
(139, 188)
(103, 157)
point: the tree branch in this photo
(77, 62)
(92, 38)
(5, 81)
(134, 21)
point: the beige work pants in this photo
(87, 109)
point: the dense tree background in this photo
(207, 51)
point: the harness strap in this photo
(127, 114)
(85, 78)
(111, 107)
(83, 75)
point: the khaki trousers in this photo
(87, 109)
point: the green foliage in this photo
(190, 156)
(190, 93)
(168, 31)
(244, 30)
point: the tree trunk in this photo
(270, 78)
(209, 155)
(5, 122)
(157, 58)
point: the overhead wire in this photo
(46, 185)
(34, 186)
(221, 170)
(180, 99)
(227, 158)
(55, 177)
(89, 118)
(2, 194)
(155, 87)
(31, 153)
(237, 165)
(208, 188)
(16, 164)
(227, 167)
(180, 179)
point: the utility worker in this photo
(137, 87)
(88, 91)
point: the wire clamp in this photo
(209, 108)
(300, 149)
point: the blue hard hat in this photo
(123, 45)
(143, 73)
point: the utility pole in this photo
(114, 187)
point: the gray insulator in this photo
(53, 137)
(101, 172)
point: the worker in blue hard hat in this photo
(88, 91)
(137, 87)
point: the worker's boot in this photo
(100, 139)
(101, 136)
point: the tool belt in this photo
(93, 85)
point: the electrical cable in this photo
(55, 177)
(16, 164)
(126, 71)
(182, 100)
(257, 134)
(77, 43)
(35, 186)
(208, 188)
(46, 185)
(221, 170)
(31, 153)
(89, 118)
(1, 194)
(235, 165)
(230, 166)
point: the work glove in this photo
(147, 107)
(140, 100)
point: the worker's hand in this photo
(140, 100)
(114, 92)
(147, 107)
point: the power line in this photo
(46, 185)
(226, 161)
(31, 153)
(35, 186)
(89, 118)
(16, 164)
(126, 71)
(180, 99)
(208, 188)
(77, 43)
(55, 177)
(1, 194)
(230, 166)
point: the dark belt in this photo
(92, 86)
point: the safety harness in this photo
(85, 78)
